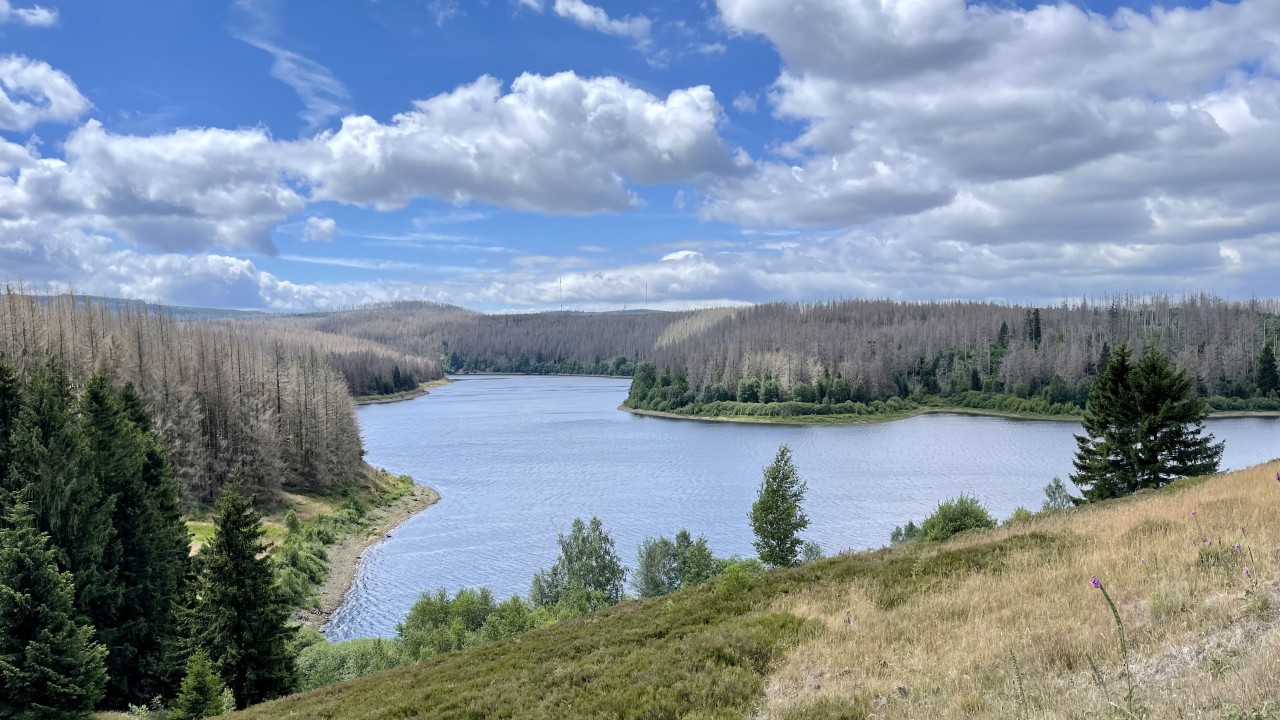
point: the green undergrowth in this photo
(301, 557)
(703, 652)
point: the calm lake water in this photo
(516, 459)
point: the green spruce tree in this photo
(149, 551)
(239, 618)
(1144, 428)
(1171, 439)
(49, 468)
(777, 516)
(1106, 455)
(10, 404)
(50, 666)
(1268, 377)
(201, 693)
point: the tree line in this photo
(267, 405)
(856, 350)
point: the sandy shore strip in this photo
(345, 555)
(423, 389)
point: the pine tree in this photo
(50, 666)
(240, 618)
(49, 468)
(150, 548)
(1144, 428)
(1268, 377)
(777, 516)
(10, 403)
(1171, 432)
(1106, 455)
(201, 693)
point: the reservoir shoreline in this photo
(346, 555)
(808, 420)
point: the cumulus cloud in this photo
(974, 125)
(188, 190)
(562, 144)
(33, 16)
(319, 229)
(744, 103)
(32, 92)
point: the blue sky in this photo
(503, 154)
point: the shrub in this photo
(1056, 496)
(327, 663)
(904, 533)
(738, 576)
(954, 517)
(1020, 514)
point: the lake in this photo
(516, 459)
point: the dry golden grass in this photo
(1019, 639)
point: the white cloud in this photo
(323, 96)
(561, 144)
(744, 103)
(33, 16)
(183, 191)
(594, 18)
(951, 122)
(32, 92)
(319, 229)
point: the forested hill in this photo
(240, 399)
(866, 349)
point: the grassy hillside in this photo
(1002, 624)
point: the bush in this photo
(327, 663)
(1020, 514)
(738, 576)
(954, 517)
(904, 533)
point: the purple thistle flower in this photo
(1246, 572)
(1095, 583)
(1236, 546)
(1193, 512)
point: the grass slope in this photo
(1001, 624)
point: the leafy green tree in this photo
(656, 573)
(664, 566)
(50, 665)
(1144, 428)
(1268, 377)
(326, 663)
(587, 574)
(201, 693)
(644, 380)
(777, 516)
(695, 563)
(439, 624)
(904, 533)
(239, 618)
(1056, 497)
(749, 389)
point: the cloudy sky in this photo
(516, 154)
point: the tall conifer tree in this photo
(1268, 377)
(239, 618)
(50, 665)
(48, 468)
(1144, 428)
(10, 403)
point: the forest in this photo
(267, 405)
(777, 358)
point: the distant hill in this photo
(180, 312)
